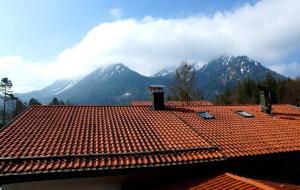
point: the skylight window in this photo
(205, 115)
(244, 114)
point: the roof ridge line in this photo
(250, 181)
(86, 105)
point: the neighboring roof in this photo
(173, 103)
(230, 181)
(70, 138)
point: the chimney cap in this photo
(154, 88)
(157, 96)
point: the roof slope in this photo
(48, 138)
(230, 181)
(70, 138)
(240, 136)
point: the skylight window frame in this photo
(244, 114)
(205, 115)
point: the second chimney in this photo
(157, 97)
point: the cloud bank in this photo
(268, 31)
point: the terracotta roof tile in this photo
(173, 103)
(230, 181)
(50, 138)
(118, 136)
(239, 136)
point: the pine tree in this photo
(240, 93)
(5, 88)
(20, 107)
(55, 101)
(34, 101)
(246, 92)
(271, 84)
(292, 92)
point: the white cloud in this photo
(116, 13)
(268, 31)
(23, 74)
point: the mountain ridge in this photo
(117, 84)
(225, 72)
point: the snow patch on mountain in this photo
(126, 94)
(226, 59)
(164, 72)
(242, 70)
(108, 71)
(70, 85)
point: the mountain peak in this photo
(240, 61)
(118, 67)
(164, 72)
(111, 70)
(225, 59)
(226, 71)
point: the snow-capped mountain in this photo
(165, 72)
(117, 84)
(92, 88)
(45, 95)
(114, 84)
(225, 72)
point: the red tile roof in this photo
(48, 138)
(239, 136)
(64, 138)
(230, 181)
(173, 103)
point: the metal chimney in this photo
(157, 97)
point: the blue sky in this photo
(39, 36)
(40, 29)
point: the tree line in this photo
(285, 91)
(184, 87)
(13, 106)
